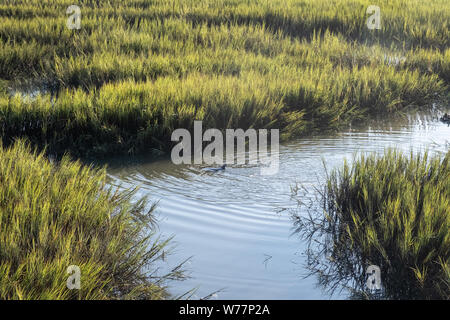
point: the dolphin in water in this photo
(216, 169)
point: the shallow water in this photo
(31, 89)
(237, 223)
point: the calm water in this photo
(236, 224)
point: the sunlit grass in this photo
(149, 67)
(56, 215)
(392, 211)
(138, 69)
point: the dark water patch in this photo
(31, 88)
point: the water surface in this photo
(237, 223)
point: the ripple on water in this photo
(235, 224)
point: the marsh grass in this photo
(139, 69)
(124, 79)
(53, 215)
(130, 117)
(392, 211)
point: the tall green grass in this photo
(298, 65)
(392, 211)
(56, 215)
(139, 69)
(130, 117)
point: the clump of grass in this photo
(300, 66)
(392, 211)
(56, 215)
(130, 117)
